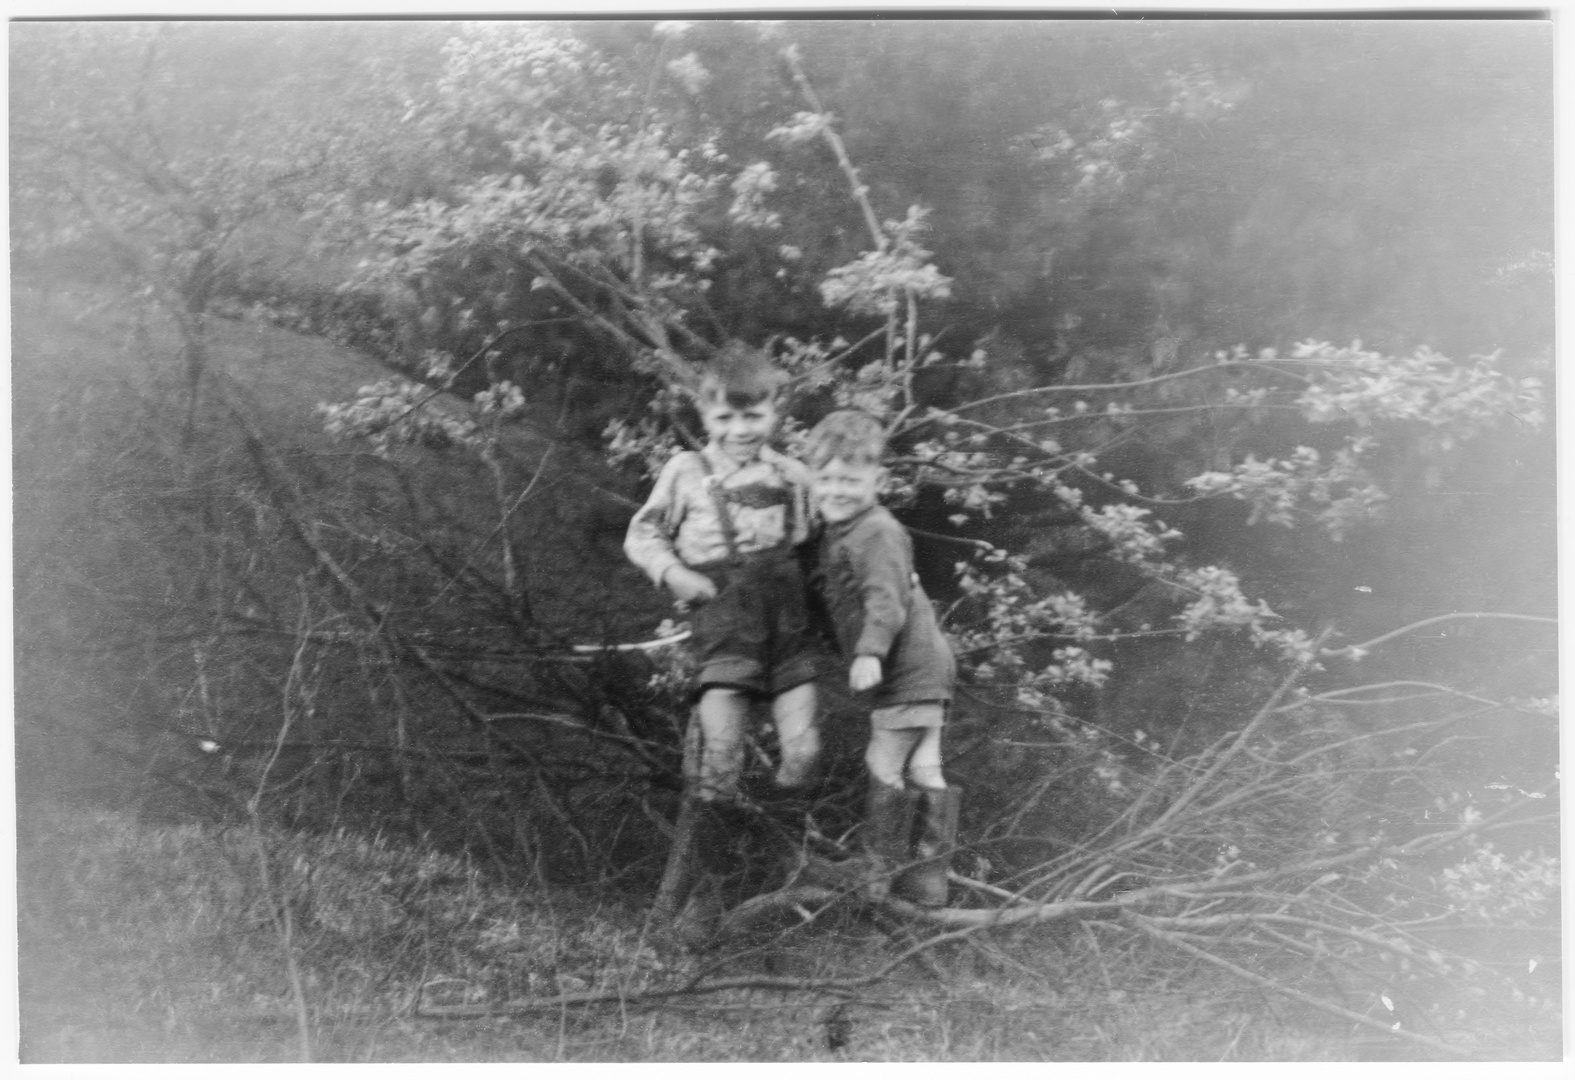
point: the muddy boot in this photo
(924, 882)
(716, 859)
(697, 921)
(888, 826)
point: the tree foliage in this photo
(598, 180)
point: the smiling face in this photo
(843, 491)
(740, 431)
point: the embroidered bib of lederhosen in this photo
(756, 496)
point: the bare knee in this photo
(798, 739)
(722, 711)
(924, 764)
(886, 756)
(801, 744)
(721, 695)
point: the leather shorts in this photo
(756, 634)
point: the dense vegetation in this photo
(1215, 356)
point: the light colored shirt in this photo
(767, 500)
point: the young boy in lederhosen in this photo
(720, 532)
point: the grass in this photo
(144, 943)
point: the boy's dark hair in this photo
(852, 435)
(740, 375)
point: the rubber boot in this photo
(888, 828)
(924, 882)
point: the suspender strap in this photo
(790, 512)
(713, 486)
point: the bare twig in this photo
(278, 902)
(1178, 941)
(1354, 650)
(828, 132)
(1264, 712)
(1071, 388)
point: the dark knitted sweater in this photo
(865, 572)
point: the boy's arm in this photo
(879, 553)
(649, 541)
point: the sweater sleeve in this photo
(879, 554)
(649, 541)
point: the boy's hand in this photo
(865, 673)
(690, 586)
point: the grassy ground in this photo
(145, 943)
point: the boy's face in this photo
(739, 430)
(843, 491)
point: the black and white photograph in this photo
(839, 538)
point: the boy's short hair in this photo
(741, 375)
(852, 435)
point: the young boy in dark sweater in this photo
(896, 653)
